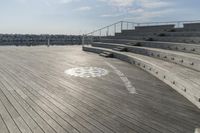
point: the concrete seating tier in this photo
(182, 79)
(192, 27)
(162, 33)
(194, 40)
(184, 47)
(154, 28)
(186, 59)
(171, 54)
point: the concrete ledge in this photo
(154, 28)
(192, 27)
(183, 80)
(184, 47)
(185, 59)
(159, 33)
(193, 40)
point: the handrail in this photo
(108, 28)
(147, 23)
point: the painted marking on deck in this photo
(126, 81)
(87, 72)
(197, 130)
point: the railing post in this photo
(48, 42)
(107, 31)
(83, 40)
(132, 25)
(92, 37)
(121, 26)
(115, 28)
(178, 24)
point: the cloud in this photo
(111, 15)
(143, 3)
(146, 16)
(138, 9)
(65, 1)
(120, 3)
(84, 8)
(153, 4)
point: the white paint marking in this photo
(197, 130)
(127, 83)
(87, 72)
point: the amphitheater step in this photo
(182, 79)
(154, 28)
(106, 54)
(120, 48)
(193, 40)
(186, 59)
(184, 47)
(192, 27)
(159, 33)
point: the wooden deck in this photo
(36, 96)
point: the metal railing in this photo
(119, 26)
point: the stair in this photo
(184, 80)
(120, 48)
(183, 47)
(170, 54)
(189, 60)
(106, 54)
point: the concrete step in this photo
(154, 28)
(162, 33)
(183, 80)
(120, 48)
(193, 40)
(183, 47)
(192, 27)
(106, 54)
(189, 60)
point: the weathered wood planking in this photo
(37, 96)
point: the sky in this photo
(82, 16)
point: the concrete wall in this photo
(154, 28)
(192, 27)
(17, 39)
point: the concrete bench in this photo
(154, 28)
(194, 40)
(161, 33)
(184, 47)
(186, 59)
(183, 80)
(192, 27)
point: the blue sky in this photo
(80, 16)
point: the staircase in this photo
(106, 54)
(170, 54)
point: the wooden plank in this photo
(36, 76)
(33, 114)
(42, 113)
(32, 125)
(132, 125)
(3, 126)
(12, 111)
(52, 114)
(12, 127)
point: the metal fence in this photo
(119, 26)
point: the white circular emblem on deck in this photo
(87, 72)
